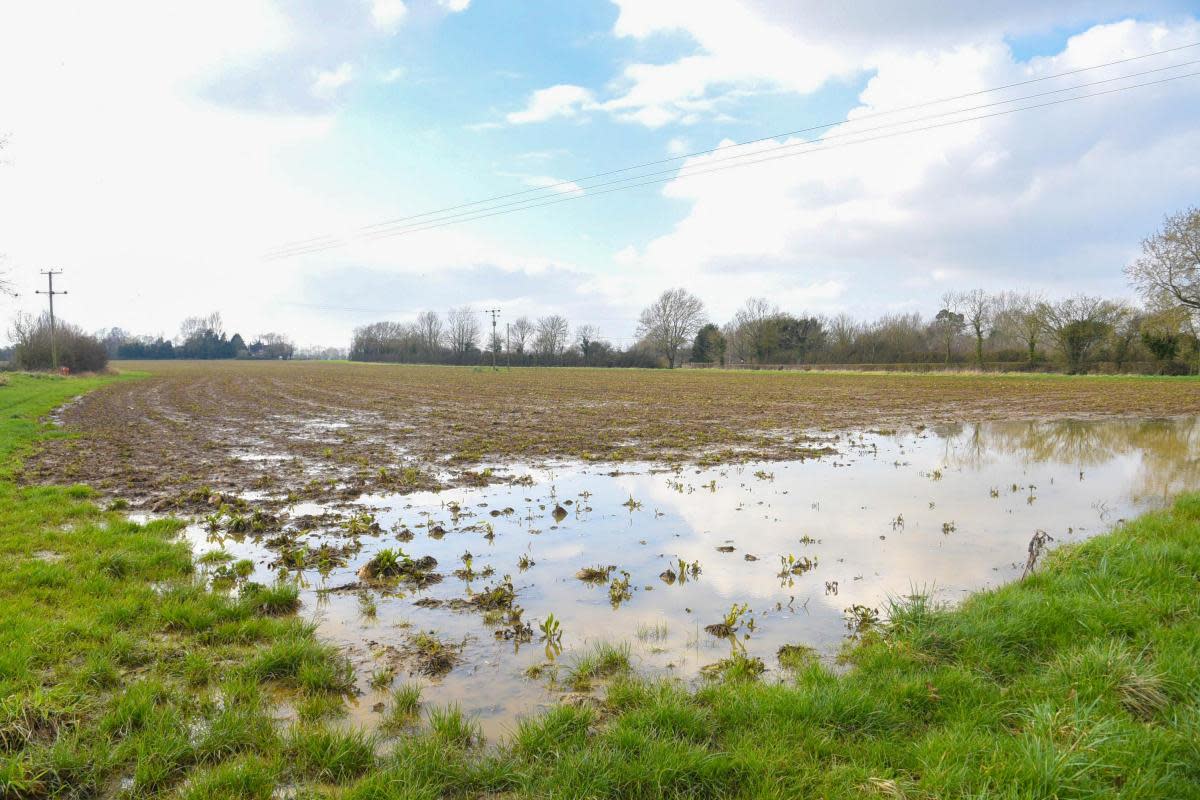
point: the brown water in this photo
(944, 511)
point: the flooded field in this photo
(496, 597)
(325, 431)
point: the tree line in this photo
(201, 337)
(974, 328)
(459, 337)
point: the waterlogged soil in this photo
(783, 553)
(328, 431)
(713, 512)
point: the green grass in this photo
(118, 668)
(121, 674)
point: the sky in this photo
(159, 153)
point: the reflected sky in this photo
(945, 510)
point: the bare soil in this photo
(329, 431)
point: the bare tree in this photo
(521, 332)
(428, 328)
(1169, 268)
(978, 311)
(747, 331)
(671, 321)
(843, 330)
(273, 345)
(462, 329)
(551, 337)
(197, 326)
(1077, 324)
(587, 337)
(1123, 335)
(1019, 314)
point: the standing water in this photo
(780, 551)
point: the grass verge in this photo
(121, 675)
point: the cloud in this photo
(743, 48)
(455, 6)
(678, 146)
(738, 51)
(326, 83)
(1029, 199)
(388, 14)
(392, 75)
(563, 100)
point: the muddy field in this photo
(319, 431)
(510, 540)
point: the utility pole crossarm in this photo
(50, 273)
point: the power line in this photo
(302, 245)
(792, 145)
(815, 145)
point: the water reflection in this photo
(1167, 448)
(691, 566)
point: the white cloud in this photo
(166, 208)
(677, 146)
(1054, 198)
(388, 14)
(737, 50)
(326, 83)
(563, 100)
(392, 75)
(455, 6)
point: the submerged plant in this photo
(551, 631)
(860, 618)
(619, 590)
(790, 565)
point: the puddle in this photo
(948, 510)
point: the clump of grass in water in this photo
(652, 632)
(795, 657)
(382, 678)
(602, 661)
(450, 728)
(737, 667)
(395, 563)
(403, 709)
(282, 598)
(595, 574)
(432, 656)
(329, 756)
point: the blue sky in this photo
(155, 151)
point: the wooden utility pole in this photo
(494, 312)
(50, 273)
